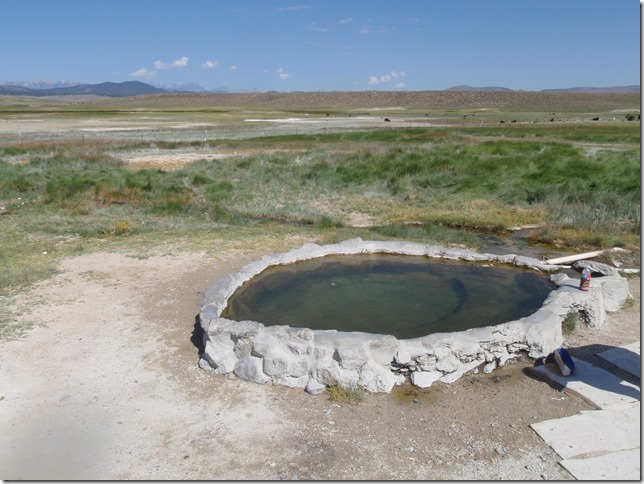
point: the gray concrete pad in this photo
(599, 444)
(625, 357)
(595, 385)
(623, 465)
(594, 432)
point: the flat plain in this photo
(118, 214)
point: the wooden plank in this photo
(585, 255)
(573, 258)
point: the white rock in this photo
(352, 357)
(250, 368)
(614, 291)
(383, 349)
(377, 379)
(314, 387)
(424, 379)
(403, 356)
(275, 365)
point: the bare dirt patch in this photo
(172, 160)
(108, 387)
(175, 159)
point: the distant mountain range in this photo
(111, 89)
(471, 88)
(621, 89)
(136, 88)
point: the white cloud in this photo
(210, 64)
(375, 80)
(316, 28)
(368, 30)
(401, 85)
(144, 73)
(282, 74)
(180, 62)
(294, 8)
(232, 68)
(347, 20)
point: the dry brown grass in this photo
(513, 101)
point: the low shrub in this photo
(326, 222)
(218, 191)
(123, 227)
(66, 187)
(570, 322)
(347, 394)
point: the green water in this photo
(404, 296)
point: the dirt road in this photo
(107, 387)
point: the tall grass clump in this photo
(426, 233)
(526, 175)
(345, 393)
(99, 188)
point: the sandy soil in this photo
(175, 159)
(107, 387)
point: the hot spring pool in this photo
(380, 313)
(403, 296)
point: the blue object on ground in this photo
(564, 361)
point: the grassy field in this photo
(68, 182)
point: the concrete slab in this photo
(594, 432)
(615, 466)
(595, 385)
(625, 357)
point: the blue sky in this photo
(324, 45)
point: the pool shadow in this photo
(630, 360)
(602, 381)
(197, 335)
(574, 286)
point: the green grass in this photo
(395, 177)
(345, 394)
(68, 197)
(570, 322)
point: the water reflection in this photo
(405, 296)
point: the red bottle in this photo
(584, 283)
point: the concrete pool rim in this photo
(314, 359)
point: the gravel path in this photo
(107, 387)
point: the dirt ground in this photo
(107, 386)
